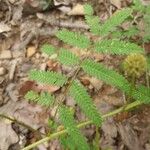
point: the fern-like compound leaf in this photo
(138, 6)
(147, 24)
(44, 99)
(142, 94)
(32, 96)
(48, 49)
(148, 64)
(74, 39)
(117, 47)
(107, 75)
(88, 10)
(48, 77)
(80, 95)
(68, 58)
(91, 20)
(67, 142)
(94, 24)
(115, 20)
(69, 123)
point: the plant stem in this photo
(57, 134)
(97, 138)
(147, 79)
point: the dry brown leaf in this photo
(85, 81)
(116, 3)
(25, 112)
(48, 88)
(77, 10)
(31, 51)
(7, 135)
(27, 86)
(52, 65)
(97, 84)
(5, 54)
(4, 27)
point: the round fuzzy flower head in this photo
(135, 65)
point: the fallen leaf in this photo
(52, 65)
(129, 136)
(97, 84)
(116, 3)
(31, 51)
(48, 88)
(7, 135)
(77, 10)
(4, 27)
(27, 86)
(25, 112)
(85, 81)
(5, 54)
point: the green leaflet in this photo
(138, 6)
(131, 32)
(109, 76)
(115, 20)
(148, 64)
(48, 77)
(31, 95)
(117, 47)
(80, 95)
(88, 9)
(67, 142)
(48, 49)
(44, 99)
(68, 58)
(142, 94)
(147, 24)
(69, 123)
(94, 24)
(73, 38)
(91, 20)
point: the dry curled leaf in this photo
(77, 10)
(26, 86)
(7, 135)
(116, 3)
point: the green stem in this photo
(97, 139)
(57, 134)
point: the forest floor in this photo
(24, 27)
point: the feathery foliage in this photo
(44, 99)
(73, 38)
(142, 94)
(88, 10)
(125, 34)
(80, 95)
(68, 121)
(48, 77)
(48, 49)
(147, 24)
(94, 24)
(115, 20)
(117, 47)
(138, 6)
(148, 64)
(67, 142)
(109, 76)
(91, 20)
(68, 58)
(107, 45)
